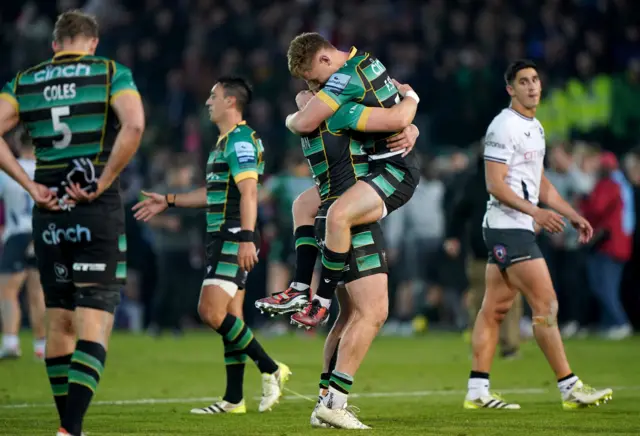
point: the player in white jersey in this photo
(514, 152)
(18, 263)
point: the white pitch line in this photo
(441, 392)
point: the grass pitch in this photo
(406, 386)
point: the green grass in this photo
(181, 371)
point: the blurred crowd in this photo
(453, 52)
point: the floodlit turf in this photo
(406, 386)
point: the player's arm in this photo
(155, 203)
(127, 105)
(193, 199)
(550, 196)
(393, 119)
(339, 89)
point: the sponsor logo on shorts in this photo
(62, 274)
(500, 253)
(54, 235)
(94, 267)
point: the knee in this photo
(337, 217)
(495, 312)
(304, 209)
(545, 312)
(211, 315)
(376, 318)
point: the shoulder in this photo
(241, 140)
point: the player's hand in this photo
(303, 98)
(83, 195)
(403, 88)
(404, 140)
(452, 247)
(585, 231)
(150, 207)
(549, 220)
(247, 256)
(43, 197)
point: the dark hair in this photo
(72, 24)
(237, 87)
(302, 49)
(514, 67)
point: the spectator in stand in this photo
(611, 211)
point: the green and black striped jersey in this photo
(337, 160)
(237, 156)
(65, 105)
(364, 79)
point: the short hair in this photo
(237, 87)
(514, 67)
(72, 24)
(302, 50)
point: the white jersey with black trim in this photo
(518, 142)
(18, 204)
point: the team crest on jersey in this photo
(337, 83)
(500, 252)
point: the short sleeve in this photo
(342, 87)
(8, 93)
(242, 157)
(351, 115)
(498, 145)
(122, 82)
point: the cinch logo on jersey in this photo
(98, 267)
(68, 71)
(54, 235)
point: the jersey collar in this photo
(519, 114)
(352, 53)
(70, 53)
(222, 137)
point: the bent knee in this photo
(338, 215)
(495, 311)
(305, 207)
(211, 315)
(545, 312)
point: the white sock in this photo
(324, 302)
(335, 399)
(10, 341)
(299, 286)
(566, 385)
(477, 387)
(38, 345)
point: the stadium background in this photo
(452, 52)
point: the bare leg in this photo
(10, 310)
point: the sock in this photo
(236, 332)
(39, 345)
(306, 255)
(324, 384)
(299, 286)
(10, 341)
(339, 388)
(58, 371)
(234, 361)
(332, 266)
(324, 302)
(478, 385)
(87, 364)
(566, 384)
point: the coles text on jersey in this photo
(518, 142)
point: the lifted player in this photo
(231, 198)
(18, 263)
(353, 76)
(514, 154)
(86, 120)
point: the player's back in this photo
(64, 103)
(18, 204)
(518, 142)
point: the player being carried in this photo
(514, 150)
(18, 264)
(231, 198)
(86, 120)
(353, 76)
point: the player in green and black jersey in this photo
(86, 120)
(231, 200)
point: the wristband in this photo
(171, 200)
(413, 95)
(246, 236)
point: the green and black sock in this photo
(306, 254)
(236, 332)
(332, 266)
(234, 361)
(339, 387)
(58, 373)
(87, 364)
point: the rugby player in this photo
(514, 153)
(337, 162)
(18, 264)
(231, 197)
(359, 77)
(86, 120)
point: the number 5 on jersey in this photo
(59, 126)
